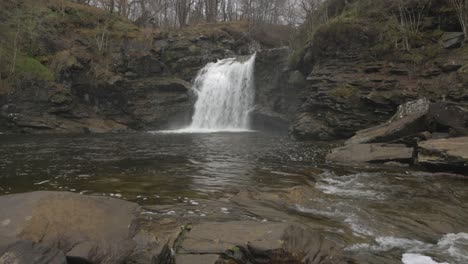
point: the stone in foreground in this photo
(445, 153)
(377, 152)
(97, 229)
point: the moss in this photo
(295, 57)
(30, 67)
(345, 91)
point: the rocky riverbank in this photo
(421, 133)
(58, 227)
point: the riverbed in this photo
(384, 214)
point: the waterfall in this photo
(225, 96)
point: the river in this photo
(385, 215)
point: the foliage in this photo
(28, 67)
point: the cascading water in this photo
(225, 96)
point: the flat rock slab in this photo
(196, 259)
(98, 229)
(217, 238)
(451, 152)
(377, 152)
(409, 120)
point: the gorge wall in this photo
(96, 72)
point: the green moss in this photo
(30, 67)
(295, 57)
(344, 91)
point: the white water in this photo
(225, 97)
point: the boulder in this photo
(450, 153)
(96, 229)
(409, 120)
(448, 117)
(451, 40)
(308, 127)
(361, 153)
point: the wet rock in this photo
(451, 40)
(445, 154)
(308, 127)
(361, 153)
(277, 90)
(96, 229)
(255, 242)
(265, 120)
(409, 120)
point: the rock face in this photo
(451, 153)
(276, 97)
(353, 82)
(361, 153)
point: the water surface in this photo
(385, 215)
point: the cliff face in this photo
(88, 71)
(357, 73)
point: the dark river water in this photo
(385, 215)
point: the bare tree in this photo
(461, 7)
(410, 14)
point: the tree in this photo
(461, 7)
(410, 15)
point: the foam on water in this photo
(410, 258)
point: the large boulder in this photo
(446, 154)
(377, 152)
(408, 120)
(96, 229)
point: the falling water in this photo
(225, 96)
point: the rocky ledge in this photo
(59, 227)
(429, 134)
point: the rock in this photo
(451, 40)
(27, 252)
(448, 117)
(308, 127)
(255, 242)
(361, 153)
(145, 66)
(446, 154)
(265, 120)
(196, 259)
(452, 66)
(409, 120)
(277, 90)
(217, 238)
(96, 229)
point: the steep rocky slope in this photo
(357, 74)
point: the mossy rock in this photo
(344, 91)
